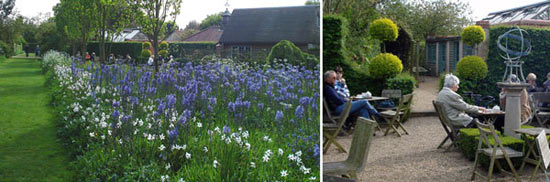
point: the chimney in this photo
(225, 17)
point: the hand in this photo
(482, 109)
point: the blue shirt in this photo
(341, 89)
(332, 97)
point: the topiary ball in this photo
(146, 45)
(472, 67)
(385, 65)
(473, 35)
(383, 29)
(146, 53)
(163, 53)
(163, 45)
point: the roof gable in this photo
(209, 34)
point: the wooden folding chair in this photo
(544, 159)
(538, 98)
(394, 95)
(359, 150)
(494, 151)
(452, 132)
(396, 117)
(334, 126)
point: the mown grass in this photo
(29, 150)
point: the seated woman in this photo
(454, 106)
(531, 79)
(524, 103)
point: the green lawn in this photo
(29, 150)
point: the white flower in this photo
(161, 136)
(103, 137)
(120, 141)
(215, 163)
(280, 151)
(304, 169)
(245, 134)
(266, 138)
(103, 124)
(167, 166)
(164, 178)
(187, 155)
(205, 149)
(252, 164)
(92, 134)
(299, 153)
(199, 124)
(181, 180)
(284, 173)
(247, 146)
(291, 157)
(217, 129)
(161, 147)
(312, 178)
(266, 158)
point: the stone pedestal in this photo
(512, 119)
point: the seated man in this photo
(454, 106)
(337, 103)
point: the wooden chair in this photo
(357, 158)
(494, 151)
(394, 95)
(542, 145)
(396, 117)
(452, 132)
(537, 98)
(334, 125)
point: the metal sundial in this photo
(512, 57)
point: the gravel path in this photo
(424, 94)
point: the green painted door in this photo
(442, 56)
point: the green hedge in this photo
(404, 82)
(472, 67)
(117, 48)
(469, 138)
(536, 62)
(192, 50)
(5, 49)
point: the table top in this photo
(373, 98)
(498, 113)
(532, 131)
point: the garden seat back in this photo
(452, 132)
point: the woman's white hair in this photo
(451, 81)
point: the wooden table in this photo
(533, 132)
(373, 98)
(490, 117)
(328, 178)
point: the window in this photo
(240, 52)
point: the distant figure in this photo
(27, 51)
(546, 83)
(128, 58)
(111, 58)
(171, 59)
(92, 57)
(88, 57)
(78, 54)
(531, 79)
(151, 60)
(37, 51)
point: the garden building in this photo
(444, 52)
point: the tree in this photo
(473, 35)
(439, 17)
(155, 15)
(312, 2)
(192, 25)
(74, 17)
(211, 20)
(6, 8)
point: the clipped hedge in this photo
(536, 62)
(385, 65)
(146, 53)
(118, 48)
(285, 49)
(192, 50)
(472, 35)
(469, 138)
(383, 29)
(472, 67)
(404, 82)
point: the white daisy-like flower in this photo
(247, 145)
(181, 180)
(103, 137)
(92, 134)
(167, 166)
(299, 153)
(280, 151)
(265, 158)
(245, 134)
(205, 149)
(187, 155)
(120, 141)
(217, 129)
(266, 138)
(161, 147)
(161, 136)
(312, 178)
(284, 173)
(215, 163)
(199, 125)
(252, 164)
(164, 178)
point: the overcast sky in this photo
(198, 9)
(190, 9)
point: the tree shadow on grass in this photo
(33, 155)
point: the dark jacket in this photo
(332, 97)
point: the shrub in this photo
(287, 50)
(473, 35)
(146, 53)
(192, 50)
(334, 35)
(163, 45)
(472, 67)
(404, 82)
(52, 59)
(469, 139)
(163, 53)
(383, 29)
(385, 65)
(5, 49)
(146, 45)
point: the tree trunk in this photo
(102, 34)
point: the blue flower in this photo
(299, 113)
(115, 114)
(226, 129)
(279, 115)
